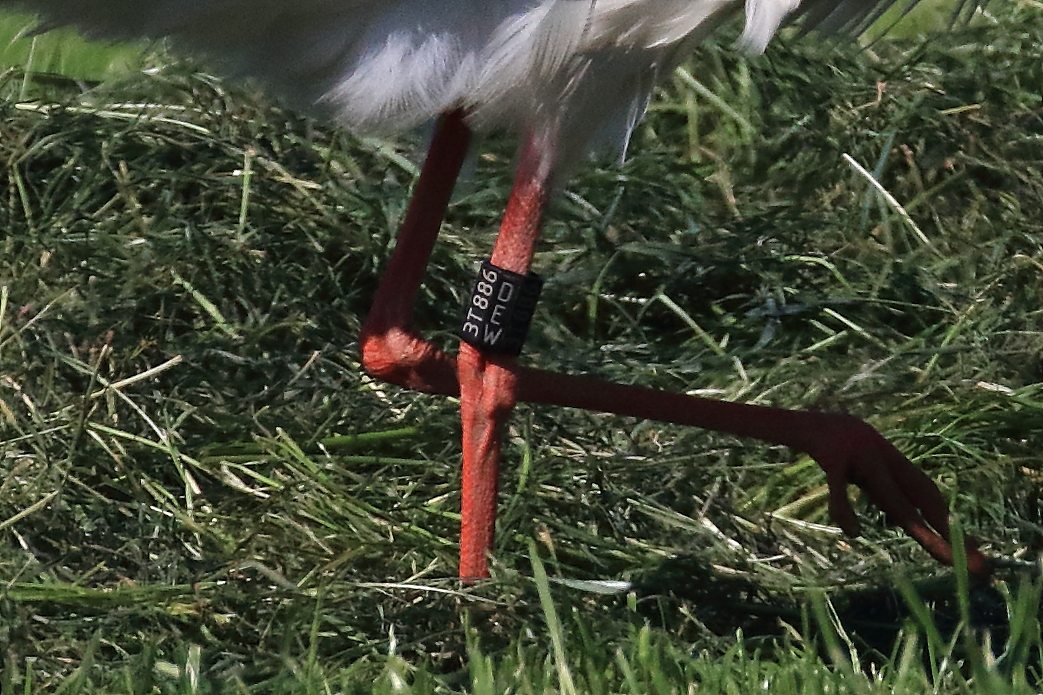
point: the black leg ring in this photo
(498, 312)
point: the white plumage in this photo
(588, 66)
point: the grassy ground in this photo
(202, 493)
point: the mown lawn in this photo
(202, 493)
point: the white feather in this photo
(587, 66)
(763, 19)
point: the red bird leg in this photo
(391, 350)
(848, 449)
(488, 381)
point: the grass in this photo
(202, 493)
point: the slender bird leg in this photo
(391, 350)
(488, 381)
(849, 450)
(394, 352)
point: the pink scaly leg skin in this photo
(393, 352)
(848, 449)
(487, 386)
(488, 382)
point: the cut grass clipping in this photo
(201, 491)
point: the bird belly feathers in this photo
(586, 67)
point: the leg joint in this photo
(399, 356)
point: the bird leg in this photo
(394, 352)
(391, 349)
(488, 381)
(848, 449)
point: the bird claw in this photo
(850, 451)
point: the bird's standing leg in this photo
(394, 352)
(488, 381)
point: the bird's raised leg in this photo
(391, 350)
(848, 449)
